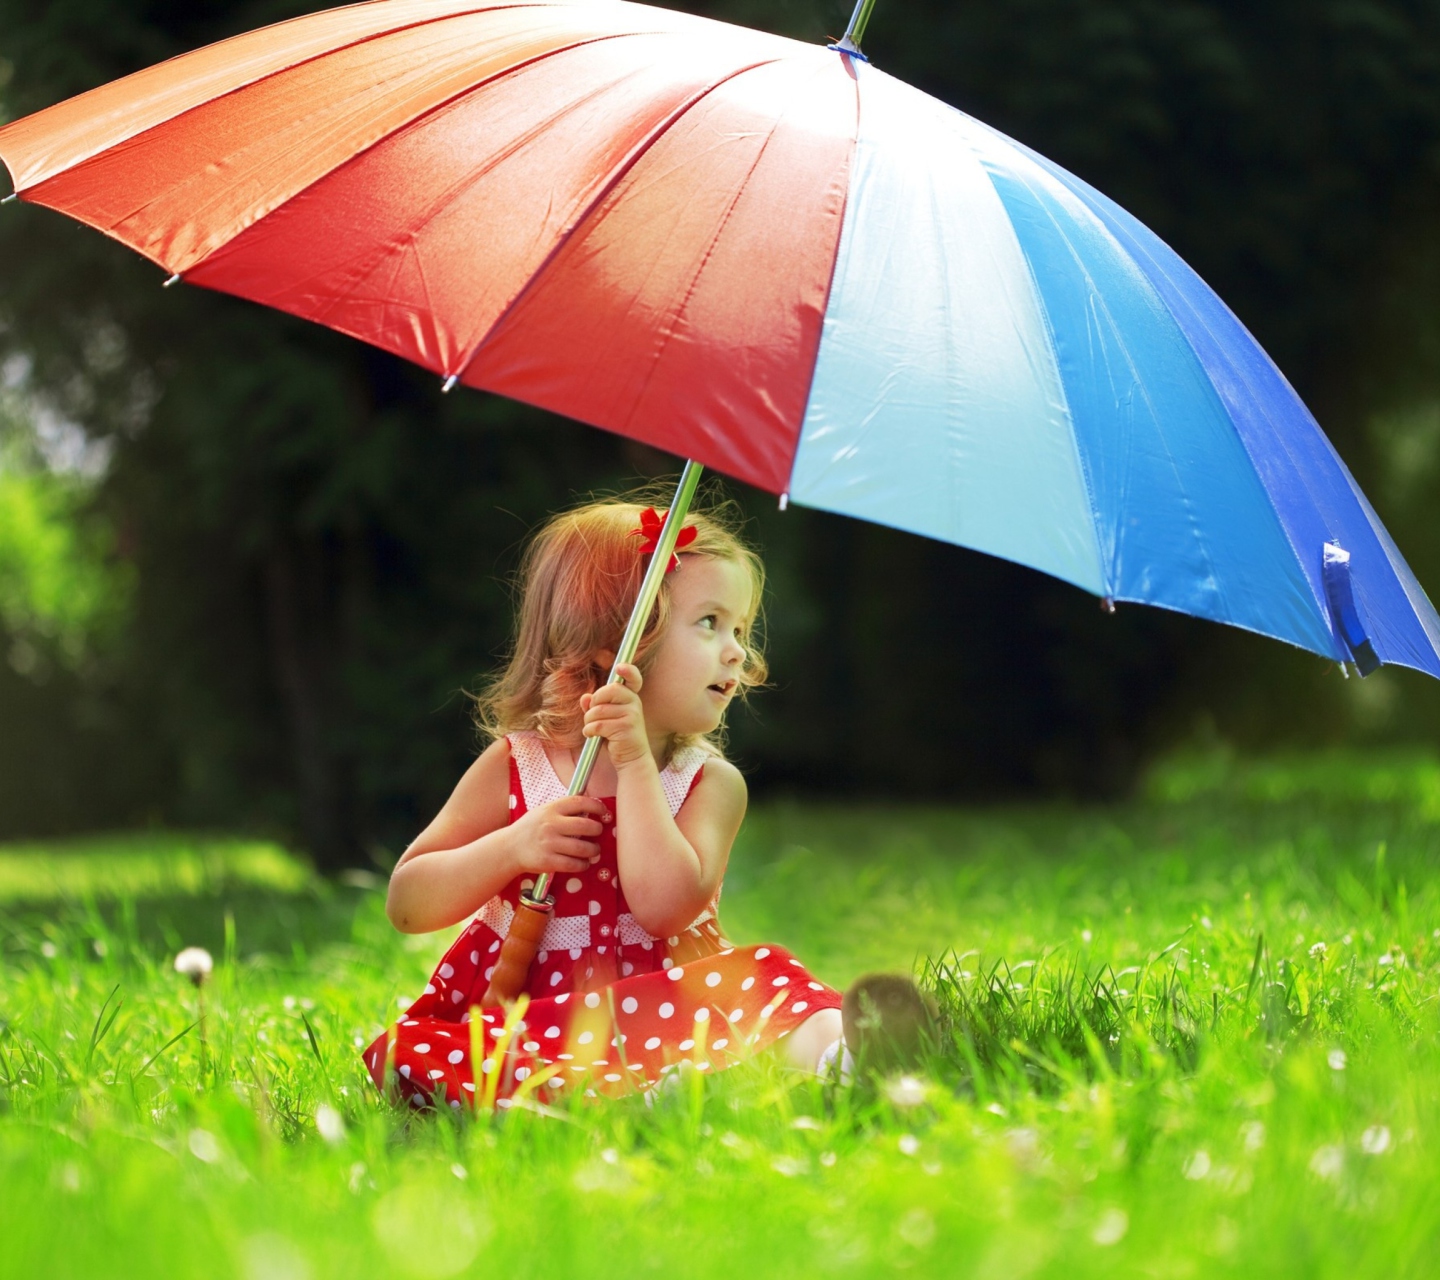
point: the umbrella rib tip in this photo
(175, 279)
(14, 195)
(449, 383)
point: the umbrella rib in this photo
(469, 179)
(417, 121)
(1104, 311)
(1298, 471)
(669, 330)
(621, 170)
(180, 112)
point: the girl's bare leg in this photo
(804, 1045)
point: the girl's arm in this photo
(670, 867)
(471, 851)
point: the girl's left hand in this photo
(614, 712)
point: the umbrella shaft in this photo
(639, 617)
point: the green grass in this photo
(1191, 1035)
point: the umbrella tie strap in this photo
(1345, 611)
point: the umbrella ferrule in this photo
(849, 48)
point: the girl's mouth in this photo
(724, 688)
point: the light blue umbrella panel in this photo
(1011, 362)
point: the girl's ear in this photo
(605, 658)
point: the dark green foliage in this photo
(318, 540)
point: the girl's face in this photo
(695, 669)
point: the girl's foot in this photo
(889, 1022)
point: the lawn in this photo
(1194, 1034)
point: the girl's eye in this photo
(708, 621)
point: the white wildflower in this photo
(1375, 1141)
(1111, 1228)
(1253, 1133)
(1337, 1059)
(1317, 952)
(917, 1228)
(273, 1257)
(1197, 1167)
(909, 1144)
(906, 1091)
(1327, 1162)
(204, 1145)
(194, 963)
(330, 1123)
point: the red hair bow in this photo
(651, 524)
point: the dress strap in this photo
(541, 784)
(538, 780)
(677, 777)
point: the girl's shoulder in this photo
(720, 785)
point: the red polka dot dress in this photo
(611, 1009)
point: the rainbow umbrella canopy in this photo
(766, 256)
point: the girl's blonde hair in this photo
(578, 581)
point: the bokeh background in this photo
(248, 568)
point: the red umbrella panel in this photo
(478, 187)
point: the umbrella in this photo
(766, 256)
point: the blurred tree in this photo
(317, 541)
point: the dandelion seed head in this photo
(1111, 1228)
(1375, 1141)
(330, 1123)
(204, 1146)
(1327, 1162)
(906, 1091)
(1197, 1167)
(269, 1256)
(917, 1229)
(194, 963)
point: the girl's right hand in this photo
(558, 837)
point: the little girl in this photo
(634, 974)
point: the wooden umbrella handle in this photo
(507, 979)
